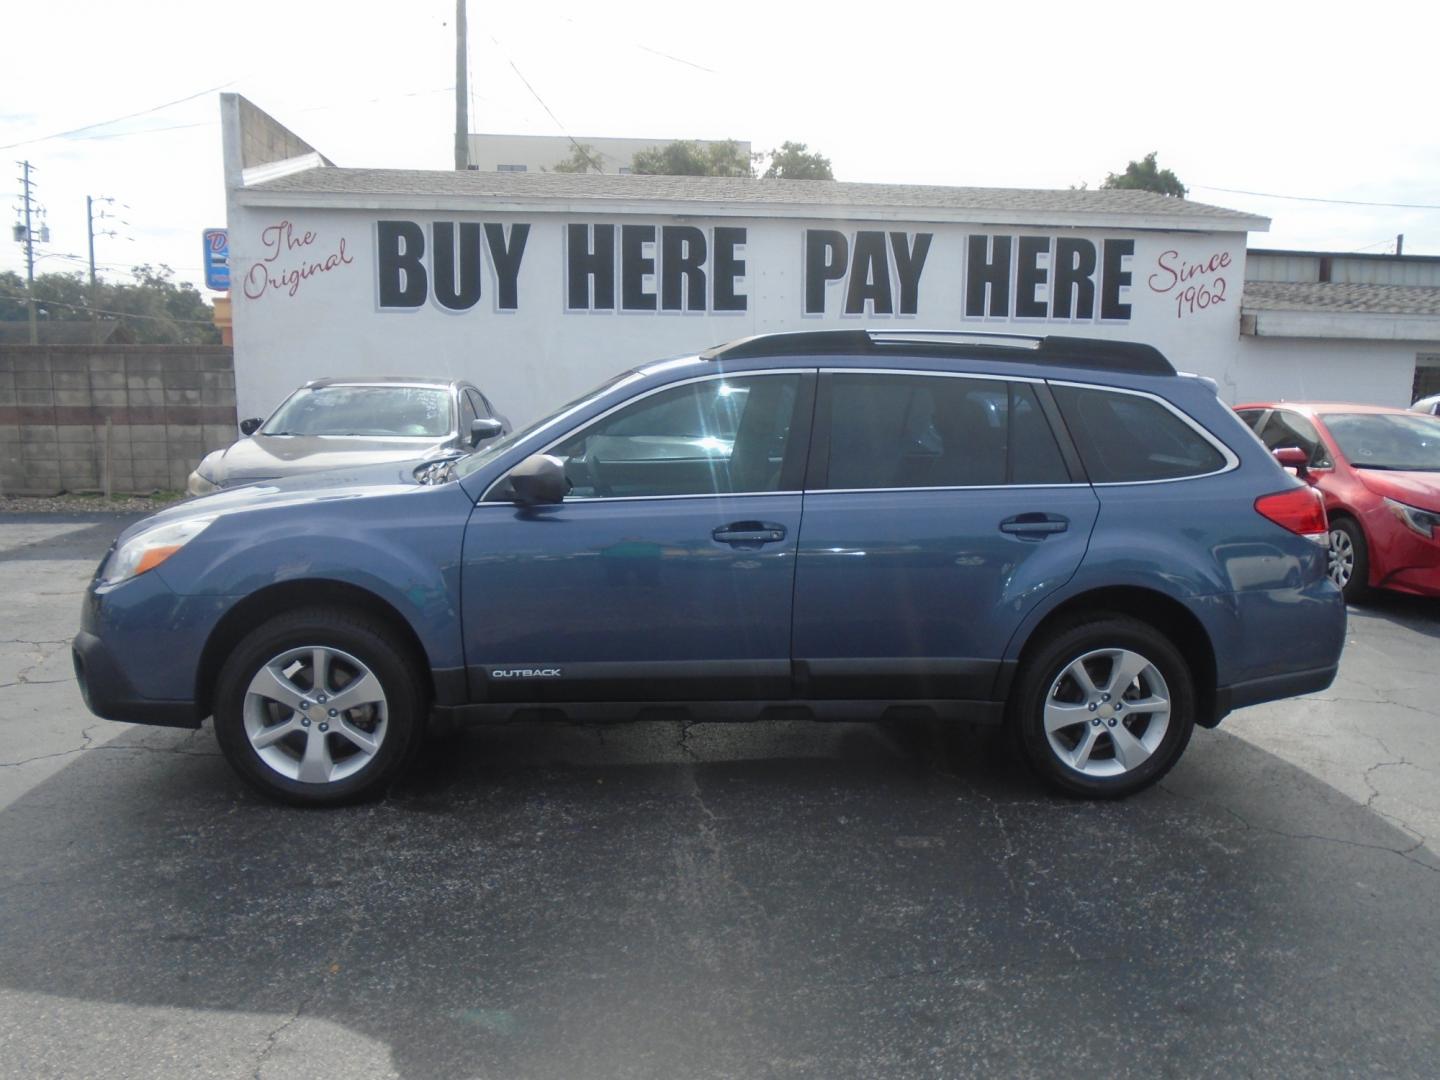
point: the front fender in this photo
(402, 547)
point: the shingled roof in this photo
(1338, 297)
(733, 195)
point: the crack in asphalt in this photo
(327, 973)
(273, 1037)
(42, 655)
(86, 747)
(1404, 853)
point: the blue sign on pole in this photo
(217, 259)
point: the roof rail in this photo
(1097, 353)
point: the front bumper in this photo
(109, 695)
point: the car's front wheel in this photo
(319, 706)
(1349, 558)
(1103, 706)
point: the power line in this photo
(1309, 198)
(117, 119)
(102, 311)
(578, 148)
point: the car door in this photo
(939, 509)
(668, 571)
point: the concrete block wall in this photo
(168, 406)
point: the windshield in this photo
(402, 412)
(468, 465)
(1408, 442)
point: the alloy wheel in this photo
(315, 714)
(1341, 562)
(1107, 712)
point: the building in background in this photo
(1381, 310)
(541, 153)
(537, 286)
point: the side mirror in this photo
(480, 430)
(249, 427)
(1292, 457)
(539, 480)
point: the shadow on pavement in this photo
(1418, 613)
(788, 899)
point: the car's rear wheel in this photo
(1349, 558)
(1103, 706)
(319, 707)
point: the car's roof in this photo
(387, 380)
(1322, 408)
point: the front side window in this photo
(1286, 428)
(898, 431)
(467, 413)
(1127, 439)
(377, 411)
(714, 437)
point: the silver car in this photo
(1429, 405)
(341, 423)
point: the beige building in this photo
(541, 153)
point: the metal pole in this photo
(29, 259)
(462, 120)
(94, 294)
(109, 482)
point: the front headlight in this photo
(1424, 522)
(200, 484)
(149, 549)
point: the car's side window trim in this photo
(1232, 462)
(803, 407)
(817, 475)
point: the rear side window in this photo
(1126, 439)
(899, 431)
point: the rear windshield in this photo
(376, 411)
(1409, 442)
(1126, 439)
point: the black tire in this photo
(1051, 658)
(1354, 578)
(395, 724)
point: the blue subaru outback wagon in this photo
(1057, 534)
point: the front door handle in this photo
(1034, 526)
(751, 534)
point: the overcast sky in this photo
(1324, 101)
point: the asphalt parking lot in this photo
(794, 899)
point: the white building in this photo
(540, 285)
(541, 153)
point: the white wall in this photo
(328, 321)
(1372, 373)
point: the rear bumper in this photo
(109, 695)
(1271, 688)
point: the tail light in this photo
(1301, 510)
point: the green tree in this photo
(1146, 175)
(794, 161)
(582, 159)
(690, 158)
(154, 307)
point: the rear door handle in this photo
(749, 533)
(1034, 526)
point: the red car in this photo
(1379, 470)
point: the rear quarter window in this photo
(1127, 439)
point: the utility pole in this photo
(90, 202)
(94, 289)
(25, 184)
(462, 120)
